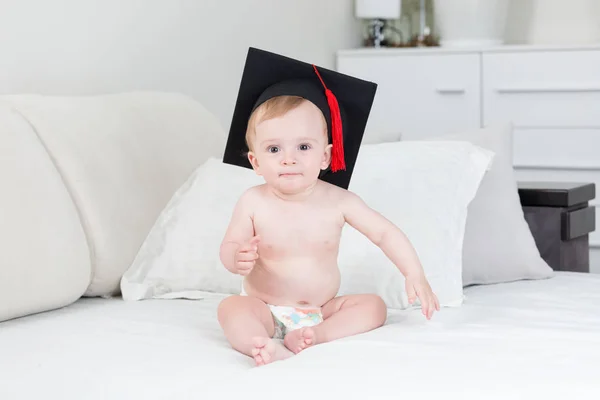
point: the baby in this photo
(284, 235)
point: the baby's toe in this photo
(258, 360)
(308, 334)
(266, 356)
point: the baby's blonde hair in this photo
(272, 108)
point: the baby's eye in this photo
(304, 147)
(272, 149)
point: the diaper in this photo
(288, 318)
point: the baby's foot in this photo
(267, 350)
(300, 339)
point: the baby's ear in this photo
(254, 161)
(326, 157)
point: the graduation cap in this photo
(345, 102)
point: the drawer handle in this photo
(450, 90)
(567, 88)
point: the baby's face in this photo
(290, 151)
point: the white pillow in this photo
(423, 187)
(498, 246)
(180, 256)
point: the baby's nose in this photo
(289, 158)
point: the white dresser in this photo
(550, 94)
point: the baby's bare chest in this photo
(283, 229)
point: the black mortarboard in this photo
(344, 100)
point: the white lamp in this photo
(378, 11)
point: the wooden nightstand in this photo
(560, 220)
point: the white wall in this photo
(572, 22)
(196, 47)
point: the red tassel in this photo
(337, 152)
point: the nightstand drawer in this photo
(542, 88)
(420, 94)
(578, 223)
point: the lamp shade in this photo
(384, 9)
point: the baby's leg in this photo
(248, 325)
(343, 316)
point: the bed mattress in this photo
(527, 339)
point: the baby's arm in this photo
(382, 232)
(396, 246)
(239, 232)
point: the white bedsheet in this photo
(529, 340)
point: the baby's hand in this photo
(246, 256)
(419, 287)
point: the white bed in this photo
(82, 197)
(528, 339)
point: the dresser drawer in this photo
(565, 148)
(542, 88)
(419, 94)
